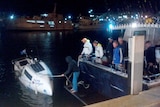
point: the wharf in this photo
(149, 98)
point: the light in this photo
(110, 26)
(12, 17)
(91, 15)
(101, 19)
(90, 11)
(45, 15)
(134, 25)
(69, 17)
(146, 16)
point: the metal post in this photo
(136, 58)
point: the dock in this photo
(149, 98)
(87, 96)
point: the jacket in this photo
(117, 55)
(99, 51)
(87, 48)
(72, 65)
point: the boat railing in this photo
(135, 25)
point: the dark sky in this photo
(40, 6)
(75, 7)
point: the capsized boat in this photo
(34, 74)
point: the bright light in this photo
(101, 19)
(12, 17)
(125, 16)
(134, 25)
(69, 17)
(91, 15)
(90, 11)
(59, 21)
(110, 26)
(146, 16)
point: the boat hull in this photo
(34, 75)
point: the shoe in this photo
(73, 91)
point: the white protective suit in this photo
(99, 51)
(87, 48)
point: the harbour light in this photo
(110, 26)
(12, 17)
(134, 25)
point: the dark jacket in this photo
(150, 55)
(72, 65)
(109, 49)
(124, 48)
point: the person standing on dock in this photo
(109, 50)
(98, 52)
(124, 46)
(87, 48)
(117, 55)
(72, 68)
(150, 57)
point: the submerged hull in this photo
(34, 75)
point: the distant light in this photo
(146, 16)
(90, 11)
(110, 26)
(60, 21)
(134, 25)
(65, 19)
(91, 15)
(45, 15)
(69, 17)
(125, 16)
(101, 19)
(12, 17)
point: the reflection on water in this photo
(52, 48)
(34, 100)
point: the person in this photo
(109, 49)
(72, 68)
(98, 51)
(87, 47)
(150, 58)
(124, 46)
(117, 55)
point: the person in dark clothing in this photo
(124, 45)
(150, 58)
(72, 68)
(109, 50)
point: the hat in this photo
(84, 39)
(110, 38)
(95, 41)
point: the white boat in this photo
(34, 74)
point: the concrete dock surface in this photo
(149, 98)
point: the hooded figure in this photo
(73, 68)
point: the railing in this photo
(135, 25)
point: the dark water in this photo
(52, 48)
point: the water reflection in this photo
(34, 100)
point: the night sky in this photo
(75, 7)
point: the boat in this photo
(43, 22)
(86, 23)
(34, 74)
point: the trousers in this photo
(75, 81)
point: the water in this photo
(52, 48)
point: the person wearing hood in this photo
(72, 68)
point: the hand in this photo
(150, 64)
(120, 65)
(62, 75)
